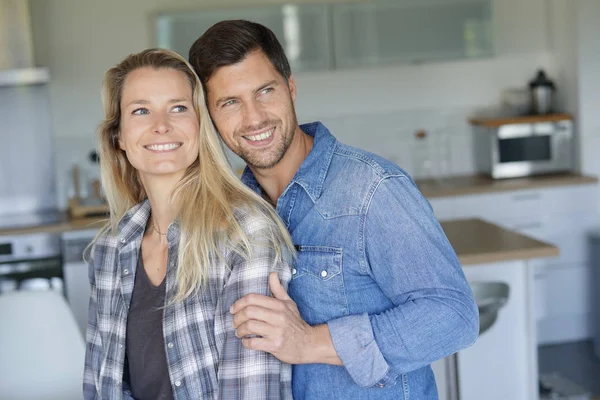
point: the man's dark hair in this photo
(229, 42)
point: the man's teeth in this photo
(262, 136)
(163, 147)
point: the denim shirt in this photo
(374, 264)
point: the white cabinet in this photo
(564, 298)
(562, 216)
(443, 208)
(502, 364)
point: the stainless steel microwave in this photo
(523, 148)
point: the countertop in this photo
(476, 241)
(478, 184)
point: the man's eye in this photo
(141, 111)
(266, 90)
(180, 109)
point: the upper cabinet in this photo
(350, 35)
(410, 31)
(303, 31)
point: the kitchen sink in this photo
(490, 298)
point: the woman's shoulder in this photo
(252, 218)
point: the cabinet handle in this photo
(533, 225)
(526, 196)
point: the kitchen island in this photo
(501, 364)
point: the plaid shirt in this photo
(205, 359)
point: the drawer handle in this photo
(534, 225)
(526, 196)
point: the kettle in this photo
(542, 93)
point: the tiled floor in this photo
(575, 361)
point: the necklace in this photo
(157, 230)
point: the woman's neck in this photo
(163, 209)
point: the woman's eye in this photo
(228, 103)
(180, 108)
(140, 111)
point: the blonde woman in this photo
(186, 239)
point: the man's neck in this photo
(273, 181)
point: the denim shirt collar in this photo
(313, 171)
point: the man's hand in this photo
(282, 330)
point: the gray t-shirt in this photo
(145, 344)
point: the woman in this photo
(185, 240)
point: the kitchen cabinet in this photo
(75, 270)
(302, 30)
(563, 216)
(410, 31)
(348, 35)
(502, 364)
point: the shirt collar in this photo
(313, 171)
(133, 223)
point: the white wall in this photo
(589, 84)
(377, 109)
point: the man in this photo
(377, 293)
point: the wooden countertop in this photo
(525, 119)
(476, 241)
(65, 225)
(477, 184)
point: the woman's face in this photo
(159, 126)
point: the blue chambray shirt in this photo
(374, 264)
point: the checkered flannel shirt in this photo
(205, 359)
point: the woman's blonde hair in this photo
(207, 194)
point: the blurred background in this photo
(491, 105)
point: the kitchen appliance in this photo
(31, 262)
(77, 283)
(523, 146)
(16, 46)
(542, 93)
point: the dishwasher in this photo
(75, 270)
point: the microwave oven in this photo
(523, 147)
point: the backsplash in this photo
(388, 134)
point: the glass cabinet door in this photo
(410, 31)
(301, 29)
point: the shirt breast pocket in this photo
(317, 284)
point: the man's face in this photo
(252, 107)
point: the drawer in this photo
(563, 290)
(443, 208)
(567, 231)
(524, 203)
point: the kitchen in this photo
(416, 115)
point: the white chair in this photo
(41, 348)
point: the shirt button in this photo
(122, 240)
(177, 383)
(170, 345)
(172, 264)
(294, 271)
(323, 273)
(121, 346)
(125, 271)
(381, 385)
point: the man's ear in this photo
(292, 86)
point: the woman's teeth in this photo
(163, 147)
(262, 136)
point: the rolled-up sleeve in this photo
(434, 315)
(244, 373)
